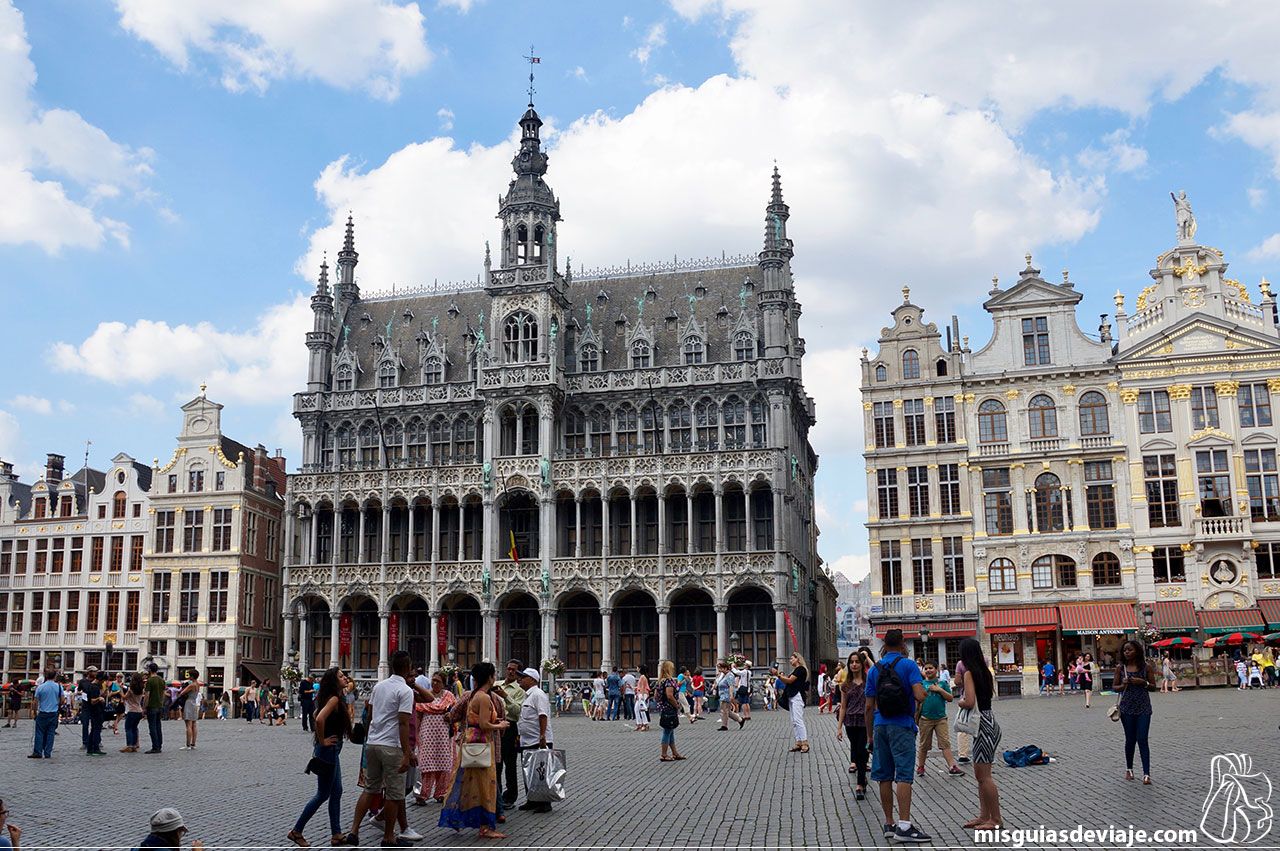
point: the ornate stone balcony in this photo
(1222, 528)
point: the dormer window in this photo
(589, 358)
(387, 376)
(344, 378)
(693, 349)
(940, 368)
(910, 364)
(38, 510)
(1035, 341)
(433, 371)
(641, 354)
(744, 347)
(882, 374)
(520, 337)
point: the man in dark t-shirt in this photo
(155, 707)
(95, 704)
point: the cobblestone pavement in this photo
(245, 786)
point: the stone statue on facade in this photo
(487, 470)
(545, 466)
(1186, 219)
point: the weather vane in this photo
(532, 60)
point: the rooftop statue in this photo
(1186, 218)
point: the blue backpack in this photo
(1024, 756)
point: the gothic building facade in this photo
(612, 468)
(1090, 487)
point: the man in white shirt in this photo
(388, 750)
(743, 696)
(628, 694)
(534, 725)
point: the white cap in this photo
(532, 674)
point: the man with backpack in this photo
(894, 687)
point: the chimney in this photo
(53, 468)
(260, 468)
(6, 472)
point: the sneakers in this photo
(889, 830)
(911, 835)
(964, 760)
(411, 835)
(955, 771)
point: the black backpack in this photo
(891, 694)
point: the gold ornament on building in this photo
(1144, 296)
(1129, 396)
(1179, 391)
(1189, 269)
(1193, 297)
(1236, 288)
(1226, 388)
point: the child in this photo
(931, 718)
(1255, 676)
(1062, 683)
(1046, 683)
(1242, 674)
(586, 700)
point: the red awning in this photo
(1176, 616)
(1110, 618)
(1271, 611)
(1232, 620)
(1021, 619)
(937, 629)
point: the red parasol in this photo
(1180, 641)
(1233, 639)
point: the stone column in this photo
(360, 553)
(634, 542)
(577, 525)
(719, 493)
(304, 642)
(435, 537)
(291, 556)
(434, 664)
(606, 638)
(334, 661)
(780, 630)
(409, 554)
(289, 619)
(722, 631)
(488, 532)
(489, 638)
(547, 536)
(313, 555)
(385, 547)
(664, 633)
(548, 629)
(688, 495)
(384, 643)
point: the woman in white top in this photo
(190, 695)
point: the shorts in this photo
(743, 694)
(931, 728)
(382, 771)
(698, 693)
(893, 755)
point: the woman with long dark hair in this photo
(331, 726)
(1134, 679)
(134, 696)
(979, 688)
(1086, 679)
(853, 720)
(473, 799)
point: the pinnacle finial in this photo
(776, 198)
(906, 294)
(995, 284)
(322, 287)
(349, 240)
(1027, 257)
(1118, 298)
(203, 387)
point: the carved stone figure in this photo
(1186, 219)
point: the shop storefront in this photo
(929, 640)
(1270, 607)
(1174, 619)
(1099, 629)
(1223, 621)
(1022, 639)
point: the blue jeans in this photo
(894, 754)
(611, 713)
(328, 788)
(1136, 728)
(669, 737)
(154, 717)
(95, 734)
(131, 722)
(46, 729)
(629, 706)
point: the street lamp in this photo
(734, 642)
(551, 675)
(924, 641)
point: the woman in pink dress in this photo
(435, 746)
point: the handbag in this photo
(359, 732)
(967, 721)
(476, 755)
(1114, 712)
(669, 720)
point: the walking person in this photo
(894, 687)
(628, 695)
(48, 699)
(155, 707)
(331, 728)
(683, 682)
(979, 688)
(597, 697)
(306, 701)
(12, 705)
(698, 684)
(1086, 678)
(135, 695)
(534, 728)
(96, 705)
(931, 720)
(796, 683)
(249, 702)
(667, 702)
(824, 699)
(116, 703)
(435, 747)
(473, 798)
(189, 698)
(512, 695)
(1134, 679)
(1167, 677)
(743, 695)
(852, 721)
(724, 685)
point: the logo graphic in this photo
(1237, 808)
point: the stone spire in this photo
(775, 259)
(347, 289)
(529, 210)
(322, 285)
(320, 337)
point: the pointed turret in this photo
(529, 211)
(347, 289)
(777, 299)
(320, 337)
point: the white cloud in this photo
(1268, 249)
(856, 566)
(446, 119)
(10, 436)
(55, 167)
(462, 6)
(1257, 197)
(1117, 155)
(367, 44)
(144, 406)
(580, 73)
(654, 38)
(248, 366)
(35, 404)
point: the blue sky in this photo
(174, 171)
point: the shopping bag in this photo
(967, 721)
(544, 775)
(1237, 808)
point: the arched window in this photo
(344, 378)
(706, 419)
(1106, 570)
(744, 346)
(1048, 500)
(575, 431)
(759, 421)
(387, 374)
(992, 427)
(326, 447)
(441, 433)
(601, 431)
(910, 364)
(538, 238)
(393, 440)
(522, 244)
(641, 354)
(735, 423)
(626, 428)
(415, 435)
(1064, 571)
(1053, 571)
(369, 444)
(433, 371)
(882, 374)
(1043, 416)
(1001, 575)
(119, 503)
(651, 428)
(346, 446)
(693, 349)
(679, 423)
(520, 338)
(940, 367)
(589, 358)
(466, 448)
(1093, 414)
